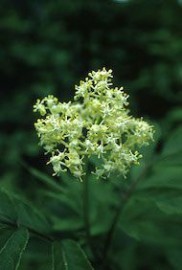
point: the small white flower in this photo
(98, 125)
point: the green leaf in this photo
(30, 217)
(175, 258)
(44, 178)
(162, 177)
(14, 210)
(173, 144)
(164, 187)
(11, 252)
(172, 151)
(171, 206)
(67, 205)
(4, 235)
(7, 209)
(154, 212)
(67, 255)
(38, 252)
(67, 225)
(143, 219)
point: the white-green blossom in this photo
(96, 123)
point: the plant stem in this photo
(110, 235)
(86, 208)
(124, 199)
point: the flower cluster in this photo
(96, 123)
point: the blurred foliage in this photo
(46, 48)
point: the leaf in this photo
(30, 217)
(11, 252)
(172, 151)
(44, 178)
(173, 144)
(68, 200)
(175, 258)
(173, 159)
(143, 219)
(164, 187)
(154, 212)
(7, 209)
(67, 255)
(4, 235)
(162, 178)
(171, 206)
(67, 205)
(15, 211)
(68, 225)
(38, 252)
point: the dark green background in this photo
(46, 47)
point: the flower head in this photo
(96, 123)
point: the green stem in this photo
(110, 235)
(86, 208)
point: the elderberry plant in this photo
(97, 123)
